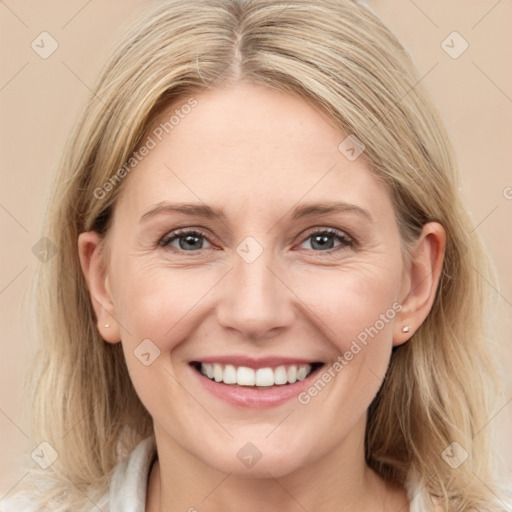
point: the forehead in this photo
(252, 147)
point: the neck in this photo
(338, 481)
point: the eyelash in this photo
(344, 239)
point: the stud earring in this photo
(406, 328)
(107, 325)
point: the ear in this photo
(420, 280)
(92, 261)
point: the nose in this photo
(256, 300)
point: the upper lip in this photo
(253, 362)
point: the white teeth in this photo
(280, 376)
(217, 372)
(244, 376)
(264, 377)
(302, 373)
(229, 374)
(292, 374)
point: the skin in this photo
(256, 154)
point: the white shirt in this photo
(129, 483)
(130, 477)
(127, 491)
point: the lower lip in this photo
(252, 397)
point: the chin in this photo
(259, 459)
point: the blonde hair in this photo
(340, 56)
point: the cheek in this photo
(156, 302)
(345, 303)
(357, 302)
(356, 310)
(340, 307)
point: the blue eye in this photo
(193, 240)
(189, 241)
(323, 240)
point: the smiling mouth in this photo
(260, 378)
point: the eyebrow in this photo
(192, 209)
(300, 211)
(324, 208)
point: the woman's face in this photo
(274, 282)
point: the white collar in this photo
(128, 487)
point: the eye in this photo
(324, 240)
(192, 240)
(187, 240)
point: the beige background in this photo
(40, 98)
